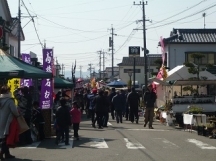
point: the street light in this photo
(130, 74)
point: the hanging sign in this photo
(46, 86)
(134, 51)
(26, 82)
(13, 84)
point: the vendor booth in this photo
(187, 107)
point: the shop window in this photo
(136, 70)
(208, 59)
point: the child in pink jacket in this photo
(76, 118)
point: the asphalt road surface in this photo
(126, 142)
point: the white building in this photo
(182, 43)
(10, 29)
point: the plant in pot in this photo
(194, 110)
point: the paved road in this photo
(126, 141)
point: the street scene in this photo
(124, 141)
(107, 80)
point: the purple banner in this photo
(46, 86)
(26, 82)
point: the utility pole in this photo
(80, 71)
(111, 44)
(144, 41)
(19, 31)
(100, 52)
(103, 63)
(204, 15)
(90, 69)
(62, 69)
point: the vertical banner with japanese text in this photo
(26, 82)
(13, 84)
(46, 85)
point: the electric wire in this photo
(33, 23)
(177, 14)
(183, 17)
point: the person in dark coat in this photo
(149, 101)
(133, 100)
(112, 94)
(100, 103)
(127, 106)
(106, 110)
(118, 102)
(25, 108)
(63, 121)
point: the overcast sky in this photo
(77, 29)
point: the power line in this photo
(32, 18)
(183, 17)
(177, 14)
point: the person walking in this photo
(100, 103)
(118, 102)
(76, 118)
(112, 94)
(106, 109)
(127, 106)
(91, 109)
(149, 102)
(25, 107)
(133, 100)
(7, 111)
(63, 121)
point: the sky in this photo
(78, 29)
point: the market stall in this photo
(177, 99)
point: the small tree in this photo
(195, 69)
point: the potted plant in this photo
(194, 110)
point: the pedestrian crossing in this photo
(129, 143)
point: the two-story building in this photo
(9, 41)
(182, 43)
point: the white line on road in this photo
(31, 146)
(145, 129)
(98, 143)
(63, 146)
(109, 124)
(134, 145)
(166, 143)
(201, 144)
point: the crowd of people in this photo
(97, 104)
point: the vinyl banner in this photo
(26, 82)
(13, 84)
(46, 85)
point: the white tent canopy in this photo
(181, 73)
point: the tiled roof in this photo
(128, 61)
(192, 36)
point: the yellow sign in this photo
(13, 84)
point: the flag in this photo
(162, 49)
(46, 86)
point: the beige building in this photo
(127, 65)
